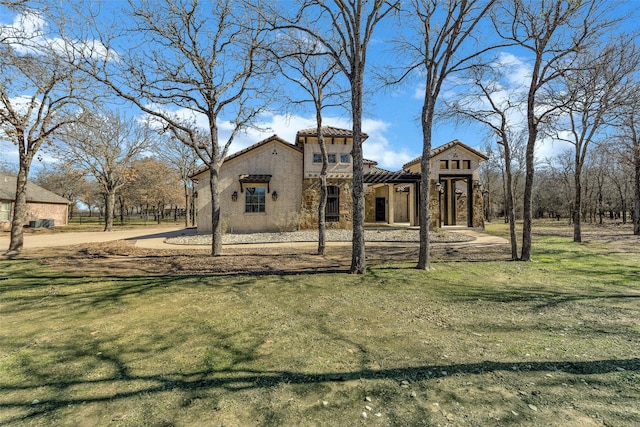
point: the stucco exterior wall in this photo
(335, 146)
(283, 163)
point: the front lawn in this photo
(475, 342)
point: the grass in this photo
(550, 342)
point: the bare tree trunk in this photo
(636, 205)
(216, 226)
(577, 204)
(510, 208)
(425, 182)
(358, 262)
(322, 244)
(19, 210)
(109, 209)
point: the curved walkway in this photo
(154, 238)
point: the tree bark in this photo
(425, 182)
(216, 227)
(109, 209)
(19, 209)
(636, 205)
(358, 262)
(322, 244)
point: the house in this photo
(274, 185)
(44, 208)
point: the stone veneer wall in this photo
(478, 207)
(311, 200)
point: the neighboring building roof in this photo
(330, 132)
(444, 148)
(272, 138)
(35, 193)
(369, 162)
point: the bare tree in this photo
(105, 147)
(185, 160)
(314, 72)
(553, 32)
(436, 37)
(344, 30)
(63, 181)
(490, 103)
(597, 85)
(628, 140)
(200, 58)
(39, 95)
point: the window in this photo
(254, 199)
(332, 158)
(345, 158)
(455, 164)
(5, 211)
(466, 164)
(317, 158)
(444, 164)
(332, 211)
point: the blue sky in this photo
(391, 116)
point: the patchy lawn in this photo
(114, 335)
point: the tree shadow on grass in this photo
(235, 380)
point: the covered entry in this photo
(455, 200)
(391, 197)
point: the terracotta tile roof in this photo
(35, 193)
(329, 131)
(445, 147)
(274, 137)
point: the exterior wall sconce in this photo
(274, 196)
(234, 196)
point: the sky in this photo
(391, 115)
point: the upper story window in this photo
(345, 158)
(455, 164)
(332, 158)
(466, 164)
(317, 158)
(444, 164)
(254, 199)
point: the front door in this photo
(381, 209)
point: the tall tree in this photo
(105, 146)
(344, 30)
(181, 61)
(491, 103)
(628, 140)
(185, 160)
(437, 34)
(64, 181)
(315, 73)
(552, 33)
(39, 95)
(597, 85)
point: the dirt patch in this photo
(122, 257)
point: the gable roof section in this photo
(35, 193)
(329, 131)
(441, 149)
(272, 138)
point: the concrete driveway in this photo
(153, 237)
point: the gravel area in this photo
(370, 235)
